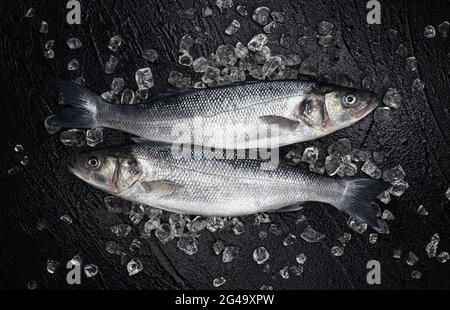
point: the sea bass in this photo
(241, 116)
(212, 186)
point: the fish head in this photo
(111, 171)
(345, 106)
(334, 107)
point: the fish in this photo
(250, 115)
(150, 174)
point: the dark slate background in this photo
(417, 137)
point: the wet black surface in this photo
(417, 137)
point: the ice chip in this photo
(371, 169)
(74, 43)
(73, 137)
(447, 193)
(266, 288)
(296, 270)
(31, 285)
(238, 228)
(277, 16)
(218, 247)
(150, 55)
(270, 27)
(241, 50)
(332, 164)
(411, 63)
(111, 64)
(415, 274)
(134, 266)
(66, 219)
(224, 4)
(417, 85)
(229, 253)
(326, 41)
(429, 32)
(144, 78)
(94, 136)
(114, 248)
(90, 270)
(443, 257)
(219, 281)
(116, 205)
(337, 250)
(399, 187)
(164, 233)
(422, 211)
(392, 98)
(117, 85)
(260, 255)
(225, 55)
(262, 235)
(188, 244)
(261, 15)
(274, 229)
(443, 29)
(345, 238)
(257, 42)
(284, 273)
(387, 215)
(29, 13)
(200, 64)
(137, 213)
(289, 240)
(242, 10)
(128, 96)
(412, 259)
(52, 265)
(340, 148)
(397, 254)
(311, 235)
(44, 27)
(384, 197)
(360, 156)
(394, 174)
(211, 74)
(357, 225)
(187, 14)
(185, 59)
(373, 238)
(233, 28)
(301, 258)
(121, 230)
(49, 54)
(324, 28)
(382, 114)
(207, 11)
(114, 43)
(382, 228)
(197, 224)
(73, 65)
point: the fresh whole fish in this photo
(241, 116)
(212, 186)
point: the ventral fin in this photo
(283, 122)
(295, 207)
(159, 188)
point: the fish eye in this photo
(93, 162)
(349, 100)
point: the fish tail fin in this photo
(81, 106)
(358, 197)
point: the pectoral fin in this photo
(160, 187)
(283, 122)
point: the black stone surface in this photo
(417, 137)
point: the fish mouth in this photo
(370, 106)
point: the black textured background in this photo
(417, 138)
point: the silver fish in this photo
(212, 186)
(241, 116)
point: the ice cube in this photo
(185, 59)
(382, 228)
(429, 32)
(373, 238)
(186, 42)
(52, 265)
(73, 137)
(31, 285)
(94, 136)
(211, 74)
(200, 64)
(344, 239)
(188, 244)
(219, 281)
(340, 148)
(261, 15)
(49, 44)
(74, 43)
(137, 213)
(289, 240)
(218, 247)
(382, 114)
(296, 270)
(224, 4)
(357, 225)
(242, 10)
(207, 11)
(216, 223)
(233, 28)
(225, 55)
(394, 174)
(135, 246)
(266, 288)
(399, 187)
(443, 257)
(277, 16)
(371, 169)
(116, 205)
(127, 97)
(415, 274)
(411, 63)
(311, 235)
(73, 65)
(260, 255)
(337, 250)
(412, 258)
(164, 233)
(326, 41)
(360, 156)
(443, 29)
(29, 13)
(240, 50)
(378, 157)
(301, 258)
(262, 235)
(114, 43)
(49, 54)
(44, 27)
(117, 85)
(387, 215)
(316, 169)
(197, 225)
(144, 78)
(324, 28)
(270, 27)
(90, 270)
(114, 248)
(238, 228)
(134, 266)
(266, 268)
(384, 197)
(392, 98)
(447, 193)
(18, 148)
(257, 42)
(284, 273)
(229, 253)
(121, 230)
(397, 254)
(66, 219)
(272, 64)
(111, 64)
(187, 14)
(417, 85)
(349, 169)
(332, 164)
(274, 229)
(150, 55)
